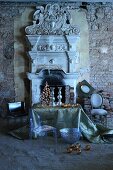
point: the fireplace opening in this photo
(56, 90)
(54, 78)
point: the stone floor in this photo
(31, 154)
(40, 154)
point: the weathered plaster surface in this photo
(14, 62)
(21, 62)
(79, 18)
(6, 58)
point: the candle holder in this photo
(52, 98)
(59, 96)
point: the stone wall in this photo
(21, 60)
(13, 81)
(7, 92)
(100, 19)
(8, 56)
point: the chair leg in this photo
(10, 123)
(30, 128)
(55, 136)
(94, 118)
(106, 120)
(30, 134)
(21, 121)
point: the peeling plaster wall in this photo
(79, 19)
(21, 60)
(14, 86)
(95, 48)
(100, 21)
(7, 91)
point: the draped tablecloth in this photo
(61, 117)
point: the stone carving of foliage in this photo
(52, 20)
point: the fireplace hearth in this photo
(53, 55)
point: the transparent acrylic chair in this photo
(41, 130)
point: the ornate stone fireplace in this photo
(53, 56)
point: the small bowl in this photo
(70, 135)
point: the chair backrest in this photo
(96, 100)
(16, 107)
(34, 124)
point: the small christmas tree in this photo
(45, 96)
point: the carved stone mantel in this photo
(53, 44)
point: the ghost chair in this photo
(38, 129)
(98, 113)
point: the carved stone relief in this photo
(53, 45)
(51, 20)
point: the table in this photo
(67, 117)
(61, 117)
(58, 117)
